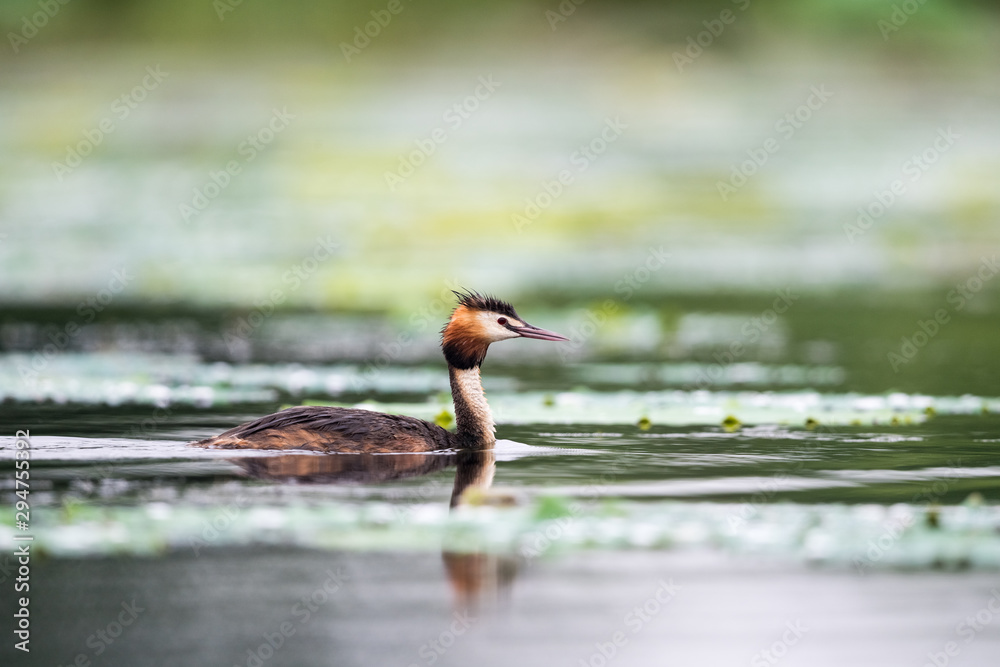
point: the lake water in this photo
(631, 519)
(773, 448)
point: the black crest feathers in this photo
(477, 301)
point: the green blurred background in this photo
(778, 214)
(118, 120)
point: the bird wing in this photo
(335, 429)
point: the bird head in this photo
(480, 320)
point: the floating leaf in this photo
(444, 419)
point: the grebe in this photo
(476, 322)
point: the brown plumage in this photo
(476, 322)
(321, 429)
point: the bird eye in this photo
(502, 321)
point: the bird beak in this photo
(528, 331)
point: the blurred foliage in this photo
(402, 250)
(936, 24)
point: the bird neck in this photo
(472, 412)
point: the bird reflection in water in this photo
(476, 577)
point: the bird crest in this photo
(476, 301)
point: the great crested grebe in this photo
(476, 322)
